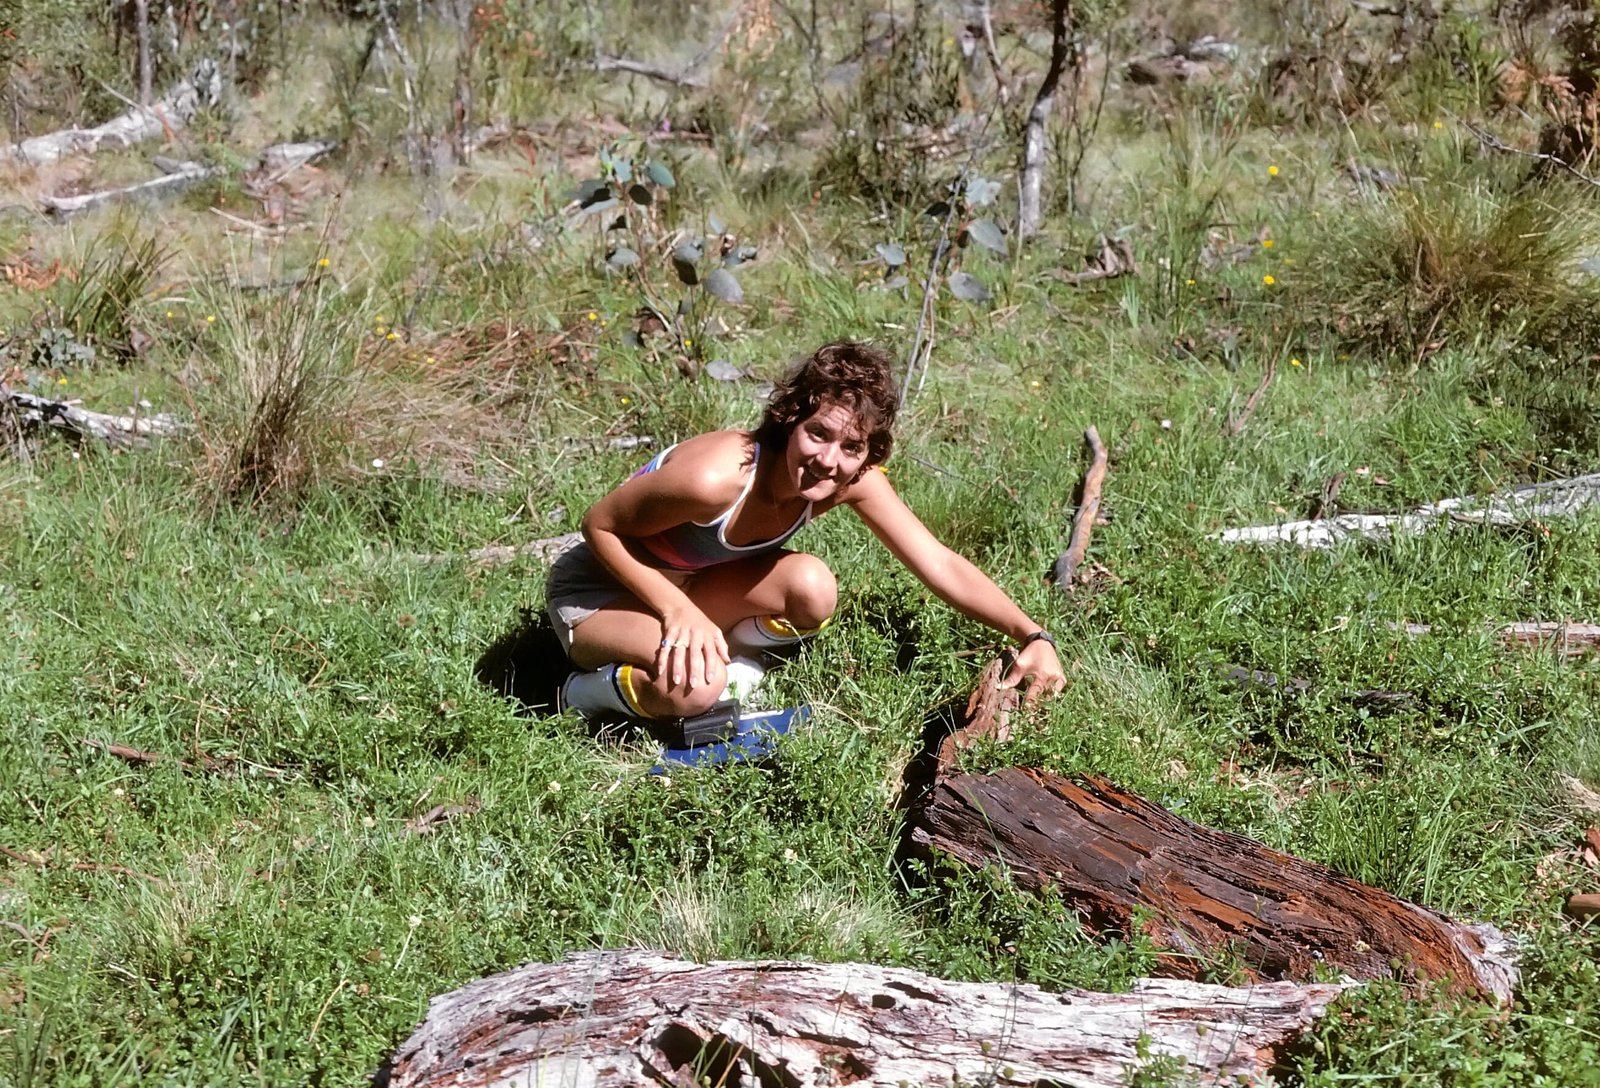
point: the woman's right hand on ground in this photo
(689, 644)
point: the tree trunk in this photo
(603, 1019)
(1034, 138)
(1208, 897)
(141, 18)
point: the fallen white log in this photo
(602, 1019)
(185, 175)
(174, 110)
(42, 412)
(291, 155)
(1531, 502)
(1566, 639)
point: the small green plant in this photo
(100, 305)
(636, 201)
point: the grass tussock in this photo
(1459, 261)
(275, 409)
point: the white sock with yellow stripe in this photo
(768, 634)
(608, 688)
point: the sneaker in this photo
(744, 679)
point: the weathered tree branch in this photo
(175, 109)
(622, 1019)
(42, 412)
(187, 174)
(1518, 505)
(1066, 568)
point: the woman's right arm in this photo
(694, 484)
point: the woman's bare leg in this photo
(793, 585)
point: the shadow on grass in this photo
(526, 664)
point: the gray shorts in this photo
(579, 586)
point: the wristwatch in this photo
(1040, 635)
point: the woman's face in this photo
(826, 452)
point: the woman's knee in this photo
(811, 592)
(668, 700)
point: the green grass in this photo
(270, 920)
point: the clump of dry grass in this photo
(278, 405)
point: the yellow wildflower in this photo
(626, 401)
(592, 316)
(1438, 124)
(61, 381)
(1190, 282)
(1294, 362)
(392, 336)
(211, 319)
(323, 263)
(1268, 280)
(1266, 243)
(1273, 170)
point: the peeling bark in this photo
(604, 1019)
(1206, 896)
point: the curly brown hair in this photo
(848, 373)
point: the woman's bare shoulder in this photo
(713, 464)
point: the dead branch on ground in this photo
(1515, 506)
(36, 411)
(175, 110)
(1066, 568)
(186, 175)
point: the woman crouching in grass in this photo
(683, 587)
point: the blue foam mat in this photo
(757, 739)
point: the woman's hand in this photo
(689, 644)
(1037, 660)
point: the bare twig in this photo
(690, 75)
(1236, 423)
(42, 412)
(1494, 143)
(438, 814)
(1066, 568)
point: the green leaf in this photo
(639, 194)
(620, 258)
(739, 256)
(895, 283)
(968, 288)
(686, 260)
(622, 170)
(724, 371)
(981, 192)
(722, 284)
(937, 210)
(660, 174)
(590, 191)
(601, 205)
(892, 255)
(988, 234)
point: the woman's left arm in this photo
(956, 581)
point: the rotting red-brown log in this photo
(1205, 896)
(603, 1019)
(1066, 568)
